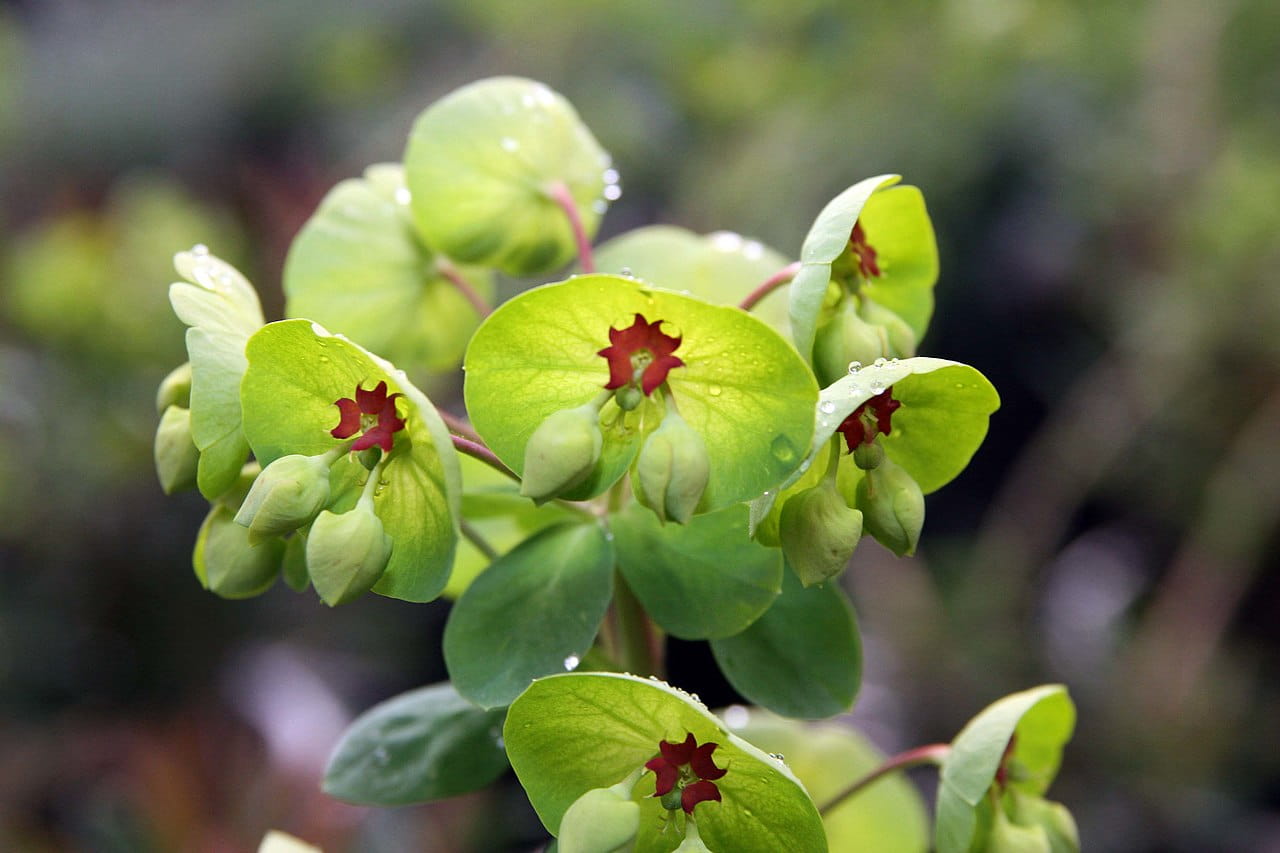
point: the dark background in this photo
(1105, 183)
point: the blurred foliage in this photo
(1103, 178)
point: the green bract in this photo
(742, 387)
(568, 734)
(222, 310)
(482, 165)
(1042, 719)
(359, 267)
(721, 268)
(897, 225)
(297, 371)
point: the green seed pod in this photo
(900, 337)
(175, 389)
(628, 397)
(347, 553)
(175, 453)
(600, 821)
(287, 495)
(1009, 837)
(1058, 824)
(847, 337)
(892, 507)
(227, 563)
(673, 469)
(868, 456)
(818, 532)
(561, 452)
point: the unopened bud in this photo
(818, 532)
(175, 452)
(347, 553)
(868, 456)
(847, 337)
(1058, 824)
(600, 821)
(561, 452)
(628, 397)
(227, 563)
(175, 389)
(892, 507)
(287, 495)
(673, 469)
(1009, 837)
(901, 338)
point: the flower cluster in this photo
(371, 412)
(688, 768)
(641, 354)
(872, 418)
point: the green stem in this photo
(559, 193)
(934, 753)
(371, 484)
(637, 643)
(477, 539)
(769, 285)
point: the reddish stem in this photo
(560, 194)
(454, 277)
(769, 285)
(459, 426)
(477, 450)
(934, 753)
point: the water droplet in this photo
(317, 329)
(403, 196)
(736, 716)
(894, 360)
(599, 206)
(510, 144)
(200, 250)
(854, 366)
(626, 271)
(694, 697)
(752, 250)
(502, 744)
(612, 192)
(571, 662)
(783, 450)
(827, 407)
(880, 362)
(384, 482)
(766, 493)
(877, 386)
(726, 241)
(715, 390)
(610, 176)
(324, 359)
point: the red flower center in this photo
(866, 255)
(372, 413)
(688, 768)
(640, 355)
(872, 418)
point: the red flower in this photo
(866, 255)
(689, 766)
(870, 419)
(640, 353)
(374, 412)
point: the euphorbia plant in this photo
(639, 455)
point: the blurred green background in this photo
(1105, 183)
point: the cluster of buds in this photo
(176, 456)
(860, 328)
(1025, 823)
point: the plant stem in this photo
(637, 643)
(559, 193)
(769, 285)
(477, 450)
(475, 538)
(459, 426)
(456, 278)
(934, 753)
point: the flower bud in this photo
(868, 456)
(628, 397)
(175, 452)
(1008, 837)
(287, 495)
(818, 532)
(347, 553)
(600, 821)
(892, 507)
(847, 337)
(175, 389)
(1058, 824)
(900, 337)
(227, 563)
(673, 469)
(561, 452)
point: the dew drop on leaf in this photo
(854, 367)
(571, 663)
(827, 407)
(714, 390)
(736, 716)
(783, 450)
(880, 362)
(877, 386)
(612, 192)
(200, 250)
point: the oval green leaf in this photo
(423, 745)
(297, 371)
(742, 387)
(570, 733)
(802, 658)
(534, 611)
(359, 267)
(704, 579)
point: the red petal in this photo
(349, 424)
(656, 373)
(374, 435)
(619, 365)
(852, 430)
(884, 406)
(703, 765)
(387, 418)
(666, 772)
(371, 402)
(679, 753)
(698, 792)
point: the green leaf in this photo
(703, 579)
(533, 612)
(1043, 719)
(743, 388)
(888, 817)
(427, 744)
(802, 658)
(481, 163)
(570, 733)
(721, 268)
(898, 227)
(359, 267)
(221, 308)
(297, 371)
